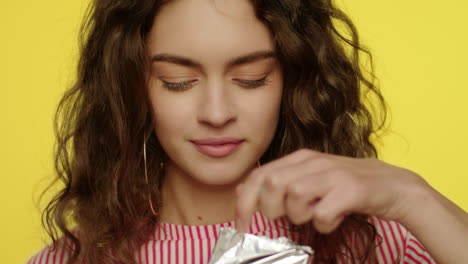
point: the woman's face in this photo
(215, 88)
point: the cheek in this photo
(262, 110)
(171, 117)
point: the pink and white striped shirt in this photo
(173, 244)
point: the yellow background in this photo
(421, 54)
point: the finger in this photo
(239, 188)
(276, 184)
(305, 192)
(329, 227)
(249, 193)
(332, 209)
(291, 187)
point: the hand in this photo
(311, 186)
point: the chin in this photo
(221, 176)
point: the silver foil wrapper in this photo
(235, 247)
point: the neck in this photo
(186, 201)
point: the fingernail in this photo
(239, 225)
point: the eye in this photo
(252, 83)
(181, 86)
(178, 86)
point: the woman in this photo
(192, 115)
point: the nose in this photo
(216, 108)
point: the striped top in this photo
(172, 244)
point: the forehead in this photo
(208, 30)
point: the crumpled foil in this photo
(235, 247)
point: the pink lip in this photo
(217, 147)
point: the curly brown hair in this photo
(101, 121)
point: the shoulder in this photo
(50, 255)
(397, 245)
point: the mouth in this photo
(217, 147)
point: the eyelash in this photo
(180, 86)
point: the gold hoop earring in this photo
(352, 118)
(283, 138)
(147, 182)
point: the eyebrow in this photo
(250, 57)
